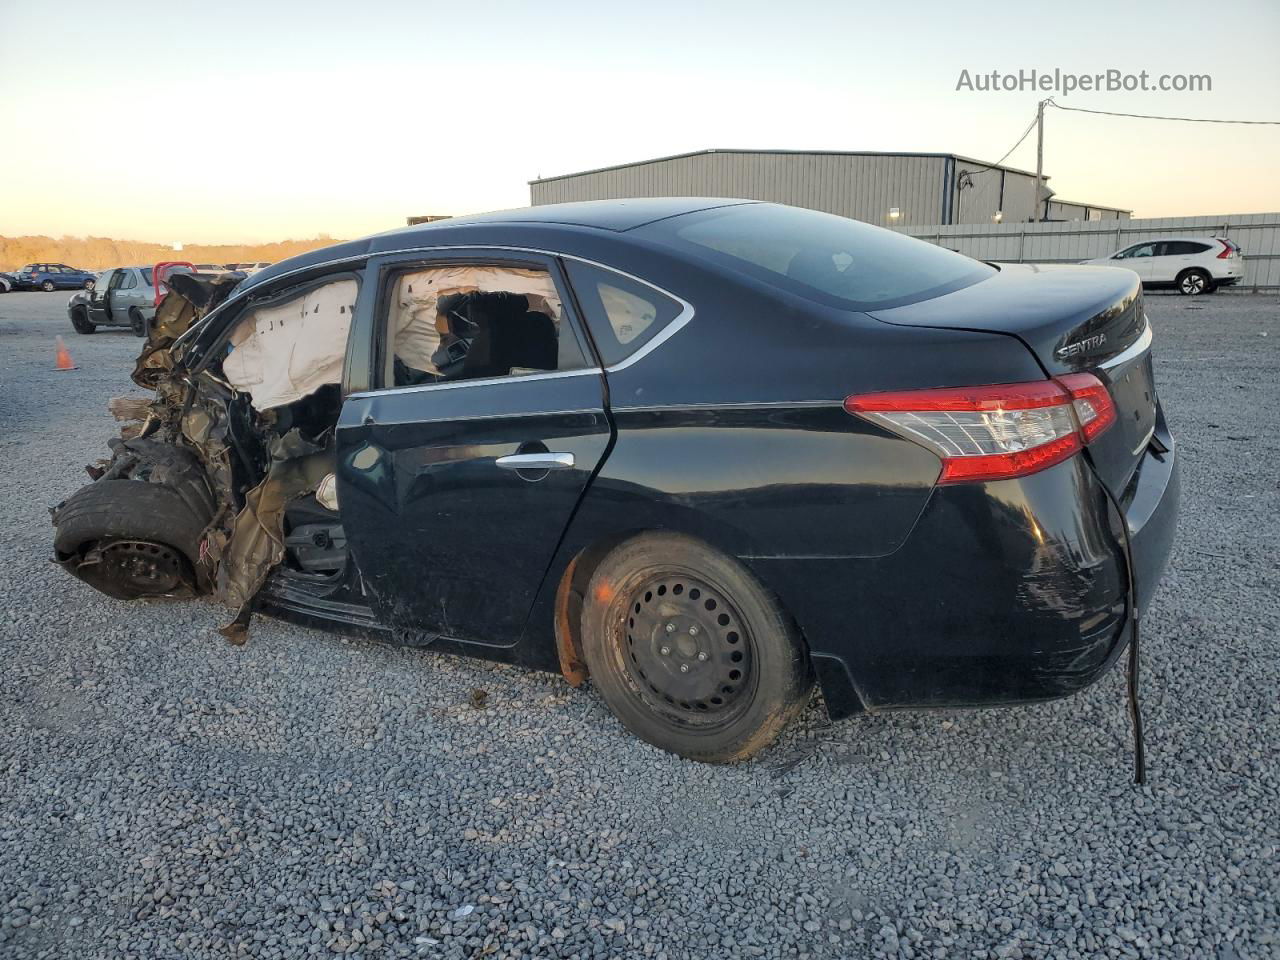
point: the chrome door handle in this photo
(536, 461)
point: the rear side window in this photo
(1183, 248)
(466, 321)
(622, 314)
(146, 276)
(833, 260)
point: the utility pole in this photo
(1035, 217)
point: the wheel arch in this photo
(575, 576)
(1196, 269)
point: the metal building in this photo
(890, 189)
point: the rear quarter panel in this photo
(733, 431)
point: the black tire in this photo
(127, 512)
(1193, 282)
(47, 286)
(137, 322)
(81, 322)
(734, 672)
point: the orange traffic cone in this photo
(64, 357)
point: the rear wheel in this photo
(47, 286)
(1192, 283)
(137, 322)
(690, 651)
(80, 320)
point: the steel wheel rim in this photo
(705, 677)
(145, 566)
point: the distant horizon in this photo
(324, 238)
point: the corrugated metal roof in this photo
(809, 153)
(1091, 206)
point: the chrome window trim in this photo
(667, 332)
(735, 405)
(477, 382)
(1133, 351)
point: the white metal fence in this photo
(1258, 235)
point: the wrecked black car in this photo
(703, 451)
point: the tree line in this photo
(99, 253)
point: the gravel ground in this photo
(163, 794)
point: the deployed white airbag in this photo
(286, 351)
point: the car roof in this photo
(617, 215)
(1165, 239)
(588, 216)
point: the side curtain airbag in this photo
(284, 352)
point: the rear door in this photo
(461, 466)
(112, 305)
(125, 294)
(1176, 256)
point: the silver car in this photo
(121, 297)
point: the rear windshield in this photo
(833, 260)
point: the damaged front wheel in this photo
(131, 539)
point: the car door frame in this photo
(109, 299)
(369, 368)
(127, 295)
(97, 305)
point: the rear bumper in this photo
(1006, 592)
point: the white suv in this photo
(1190, 265)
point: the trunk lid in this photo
(1075, 319)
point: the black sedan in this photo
(704, 452)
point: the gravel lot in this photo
(163, 794)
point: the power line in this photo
(1146, 116)
(1030, 126)
(990, 167)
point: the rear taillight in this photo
(998, 431)
(1226, 250)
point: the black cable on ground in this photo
(1131, 671)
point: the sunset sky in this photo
(229, 121)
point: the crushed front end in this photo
(192, 498)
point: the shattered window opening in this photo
(465, 322)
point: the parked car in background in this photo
(703, 451)
(212, 269)
(53, 276)
(7, 282)
(122, 297)
(249, 269)
(1190, 265)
